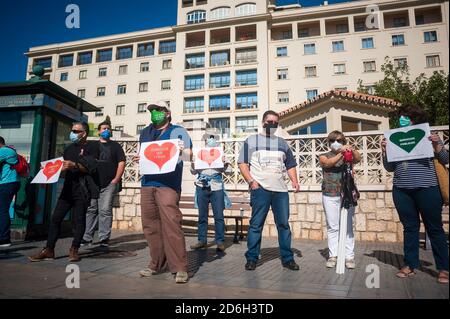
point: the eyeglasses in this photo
(272, 122)
(337, 140)
(77, 131)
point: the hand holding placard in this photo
(408, 143)
(210, 157)
(159, 157)
(50, 171)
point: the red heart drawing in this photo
(209, 156)
(51, 168)
(160, 154)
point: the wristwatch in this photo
(250, 182)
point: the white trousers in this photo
(332, 207)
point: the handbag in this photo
(442, 176)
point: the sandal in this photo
(405, 272)
(443, 277)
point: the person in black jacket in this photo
(80, 165)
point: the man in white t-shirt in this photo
(265, 162)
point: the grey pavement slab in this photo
(114, 272)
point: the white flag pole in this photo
(340, 266)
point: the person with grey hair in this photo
(210, 189)
(80, 186)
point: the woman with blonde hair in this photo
(332, 165)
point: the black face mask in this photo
(270, 128)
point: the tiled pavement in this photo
(113, 273)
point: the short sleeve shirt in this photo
(269, 158)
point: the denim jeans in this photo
(216, 198)
(261, 200)
(100, 213)
(428, 203)
(7, 193)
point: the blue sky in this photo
(27, 23)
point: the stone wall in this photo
(375, 220)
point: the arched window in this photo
(245, 9)
(220, 13)
(196, 16)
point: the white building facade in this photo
(226, 62)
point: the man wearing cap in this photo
(210, 189)
(160, 195)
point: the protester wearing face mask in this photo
(416, 193)
(210, 190)
(265, 161)
(80, 186)
(111, 166)
(331, 163)
(160, 196)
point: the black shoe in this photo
(85, 243)
(250, 265)
(5, 243)
(104, 243)
(291, 265)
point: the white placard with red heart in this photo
(160, 157)
(210, 157)
(50, 171)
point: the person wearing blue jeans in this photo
(210, 189)
(265, 161)
(416, 193)
(9, 186)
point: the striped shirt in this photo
(419, 173)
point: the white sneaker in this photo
(5, 245)
(331, 262)
(181, 277)
(147, 272)
(350, 263)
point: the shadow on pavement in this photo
(396, 260)
(269, 254)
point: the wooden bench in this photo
(240, 204)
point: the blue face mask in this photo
(404, 121)
(106, 134)
(211, 142)
(74, 137)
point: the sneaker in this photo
(45, 254)
(5, 243)
(86, 243)
(331, 262)
(147, 272)
(181, 277)
(104, 243)
(291, 265)
(220, 247)
(250, 265)
(199, 245)
(350, 263)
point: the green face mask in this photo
(158, 117)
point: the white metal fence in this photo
(370, 174)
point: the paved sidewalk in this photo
(113, 273)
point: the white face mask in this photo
(336, 146)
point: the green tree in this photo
(429, 93)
